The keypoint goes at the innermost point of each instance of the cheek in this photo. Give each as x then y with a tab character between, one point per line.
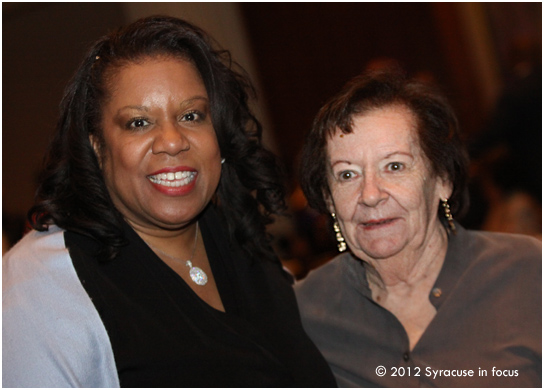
213	150
425	201
209	148
344	200
207	153
122	160
114	162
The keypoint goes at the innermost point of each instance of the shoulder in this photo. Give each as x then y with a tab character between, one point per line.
508	264
321	274
510	250
52	335
330	299
321	283
506	239
36	269
31	254
38	261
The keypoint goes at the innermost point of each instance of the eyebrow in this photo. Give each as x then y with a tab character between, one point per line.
340	162
408	154
183	104
138	108
192	100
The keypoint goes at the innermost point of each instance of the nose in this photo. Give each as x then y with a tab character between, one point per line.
372	191
170	138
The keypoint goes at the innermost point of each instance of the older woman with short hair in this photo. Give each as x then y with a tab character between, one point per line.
417	300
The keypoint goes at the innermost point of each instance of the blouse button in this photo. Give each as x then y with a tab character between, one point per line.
437	292
406	356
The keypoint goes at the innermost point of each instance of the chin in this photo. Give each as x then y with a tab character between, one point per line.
381	249
178	214
170	221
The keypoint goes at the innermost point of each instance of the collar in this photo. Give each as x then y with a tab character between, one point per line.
456	261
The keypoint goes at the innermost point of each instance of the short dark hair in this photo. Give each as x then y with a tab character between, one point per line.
72	193
437	130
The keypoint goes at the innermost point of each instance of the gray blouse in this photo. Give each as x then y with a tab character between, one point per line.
487	331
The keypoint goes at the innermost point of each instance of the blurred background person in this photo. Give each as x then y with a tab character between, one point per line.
415	291
149	264
507	155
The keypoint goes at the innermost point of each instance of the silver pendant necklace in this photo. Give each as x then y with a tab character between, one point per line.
197	274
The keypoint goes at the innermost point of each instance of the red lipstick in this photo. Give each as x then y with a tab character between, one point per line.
174	181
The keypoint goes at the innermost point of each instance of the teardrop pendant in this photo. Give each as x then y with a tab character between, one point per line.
197	275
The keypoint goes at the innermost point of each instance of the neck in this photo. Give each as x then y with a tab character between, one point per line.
173	243
411	267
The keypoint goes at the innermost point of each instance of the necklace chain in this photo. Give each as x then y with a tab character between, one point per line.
197	275
176	258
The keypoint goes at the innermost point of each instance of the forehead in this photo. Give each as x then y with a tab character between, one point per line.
378	129
159	73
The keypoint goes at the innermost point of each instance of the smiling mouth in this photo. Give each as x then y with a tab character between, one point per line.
173	179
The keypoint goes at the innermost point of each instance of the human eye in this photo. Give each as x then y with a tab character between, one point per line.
193	116
137	123
346	175
395	166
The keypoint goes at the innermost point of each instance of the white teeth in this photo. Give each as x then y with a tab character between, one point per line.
173	179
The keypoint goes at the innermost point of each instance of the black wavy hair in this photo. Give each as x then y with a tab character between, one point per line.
72	193
437	128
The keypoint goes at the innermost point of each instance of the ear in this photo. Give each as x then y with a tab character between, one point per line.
329	202
96	147
444	187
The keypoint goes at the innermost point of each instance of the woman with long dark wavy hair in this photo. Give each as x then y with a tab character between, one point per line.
149	264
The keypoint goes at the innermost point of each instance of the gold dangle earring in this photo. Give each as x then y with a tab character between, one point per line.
341	241
447	214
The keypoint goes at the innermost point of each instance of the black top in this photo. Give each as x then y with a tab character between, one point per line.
164	335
